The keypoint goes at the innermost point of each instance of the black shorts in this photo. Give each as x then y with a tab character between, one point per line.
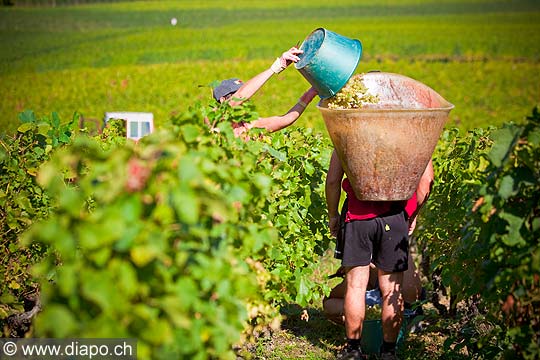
383	240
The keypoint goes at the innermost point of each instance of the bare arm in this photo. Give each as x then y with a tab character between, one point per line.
424	186
333	192
423	191
250	87
275	123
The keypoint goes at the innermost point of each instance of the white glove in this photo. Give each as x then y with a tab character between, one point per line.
279	65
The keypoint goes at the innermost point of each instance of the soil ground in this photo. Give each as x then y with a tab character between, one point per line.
318	338
315	337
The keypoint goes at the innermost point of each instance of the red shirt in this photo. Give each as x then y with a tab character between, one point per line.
363	210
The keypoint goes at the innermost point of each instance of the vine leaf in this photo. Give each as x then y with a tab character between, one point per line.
513	227
503	140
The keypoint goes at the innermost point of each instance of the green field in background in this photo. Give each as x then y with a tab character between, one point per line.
483	56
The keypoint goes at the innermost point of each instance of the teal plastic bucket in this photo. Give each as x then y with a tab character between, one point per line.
328	61
372	336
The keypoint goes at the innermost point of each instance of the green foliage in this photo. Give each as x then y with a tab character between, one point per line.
114	133
486	241
23	201
505	226
183	239
459	163
152	258
295	205
150	219
297	208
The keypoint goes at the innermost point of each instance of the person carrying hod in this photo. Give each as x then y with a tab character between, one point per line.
374	232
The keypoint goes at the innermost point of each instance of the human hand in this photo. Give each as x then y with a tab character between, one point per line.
241	129
291	55
287	58
333	224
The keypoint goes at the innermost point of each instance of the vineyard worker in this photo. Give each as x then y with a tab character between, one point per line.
235	92
374	232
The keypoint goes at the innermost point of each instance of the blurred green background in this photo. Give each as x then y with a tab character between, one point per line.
94	57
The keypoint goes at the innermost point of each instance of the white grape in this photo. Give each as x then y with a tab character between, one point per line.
353	95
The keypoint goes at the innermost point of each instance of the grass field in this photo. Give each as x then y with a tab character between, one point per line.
483	56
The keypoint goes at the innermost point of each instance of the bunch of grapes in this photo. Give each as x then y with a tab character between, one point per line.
352	96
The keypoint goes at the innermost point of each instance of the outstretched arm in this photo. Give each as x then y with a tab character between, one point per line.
275	123
250	87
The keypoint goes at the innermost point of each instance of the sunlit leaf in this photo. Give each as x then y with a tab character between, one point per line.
190	133
503	141
27	116
513	237
506	188
25	127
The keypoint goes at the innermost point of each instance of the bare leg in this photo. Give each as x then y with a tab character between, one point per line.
411	285
392	304
355	300
333	304
333	310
